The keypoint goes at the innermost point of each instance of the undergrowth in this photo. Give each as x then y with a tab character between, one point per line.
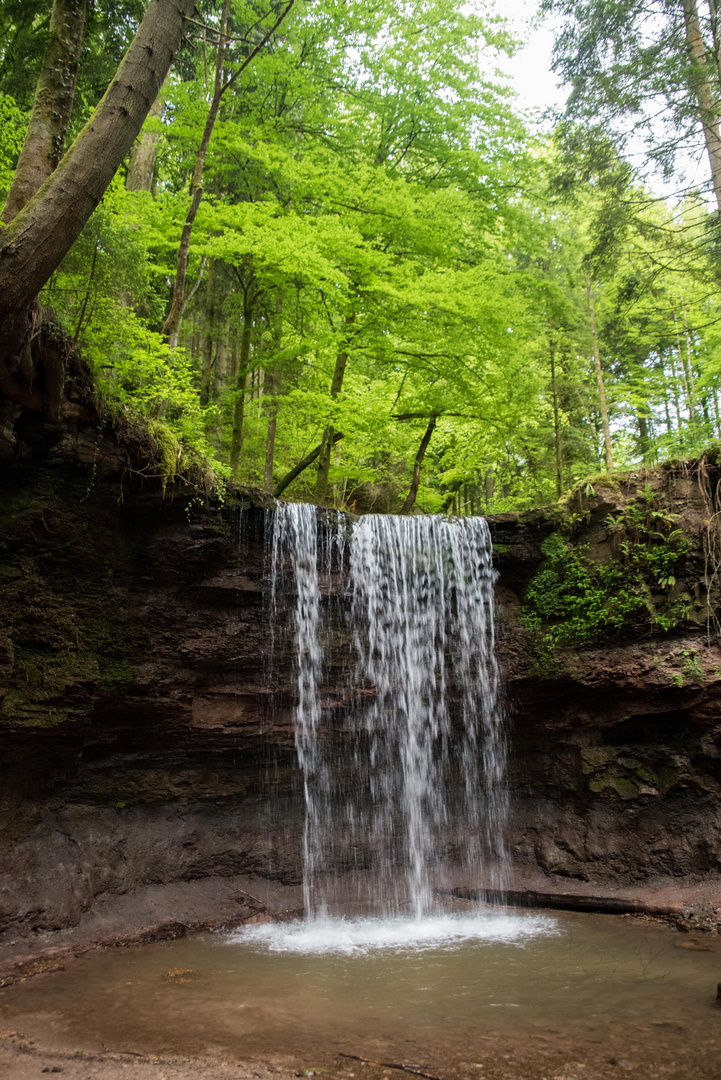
574	600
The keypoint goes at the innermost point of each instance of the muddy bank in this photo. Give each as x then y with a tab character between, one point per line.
149	914
24	1058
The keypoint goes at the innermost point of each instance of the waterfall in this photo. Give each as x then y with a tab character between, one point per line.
404	778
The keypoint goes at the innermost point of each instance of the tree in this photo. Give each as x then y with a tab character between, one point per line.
45	139
38	238
647	67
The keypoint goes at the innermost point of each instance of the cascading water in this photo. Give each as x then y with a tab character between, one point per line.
406	779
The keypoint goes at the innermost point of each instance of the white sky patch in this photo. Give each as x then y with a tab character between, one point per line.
530	72
540	91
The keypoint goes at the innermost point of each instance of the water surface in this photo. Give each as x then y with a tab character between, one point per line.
451	993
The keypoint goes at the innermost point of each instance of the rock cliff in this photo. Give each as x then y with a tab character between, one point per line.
145	740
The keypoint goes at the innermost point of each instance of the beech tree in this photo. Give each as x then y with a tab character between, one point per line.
386	303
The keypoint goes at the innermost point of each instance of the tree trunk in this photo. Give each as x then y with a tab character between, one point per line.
45	139
489	484
689	358
703	92
556	423
273	408
175	336
145	150
689	396
175	314
643	434
713	17
236	444
37	240
303	465
207	366
221	362
676	403
196	187
599	377
321	484
416	481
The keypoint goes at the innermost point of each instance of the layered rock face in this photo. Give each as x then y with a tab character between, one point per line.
147	739
616	746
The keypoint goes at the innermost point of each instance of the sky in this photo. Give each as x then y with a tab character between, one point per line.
538	89
530	69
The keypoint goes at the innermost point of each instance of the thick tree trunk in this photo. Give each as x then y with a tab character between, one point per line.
45	139
37	240
145	150
206	370
599	377
704	94
416	481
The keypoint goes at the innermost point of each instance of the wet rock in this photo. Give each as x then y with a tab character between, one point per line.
144	742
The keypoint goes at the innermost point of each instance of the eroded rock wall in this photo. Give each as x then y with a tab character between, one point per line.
146	739
616	745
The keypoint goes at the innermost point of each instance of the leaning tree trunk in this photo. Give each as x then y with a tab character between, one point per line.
302	466
45	138
416	481
37	240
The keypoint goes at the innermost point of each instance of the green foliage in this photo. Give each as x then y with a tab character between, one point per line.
574	600
12	132
412	225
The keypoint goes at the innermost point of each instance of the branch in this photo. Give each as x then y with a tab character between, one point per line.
392	1065
259	46
303	465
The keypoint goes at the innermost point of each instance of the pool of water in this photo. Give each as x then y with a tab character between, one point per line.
454	993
